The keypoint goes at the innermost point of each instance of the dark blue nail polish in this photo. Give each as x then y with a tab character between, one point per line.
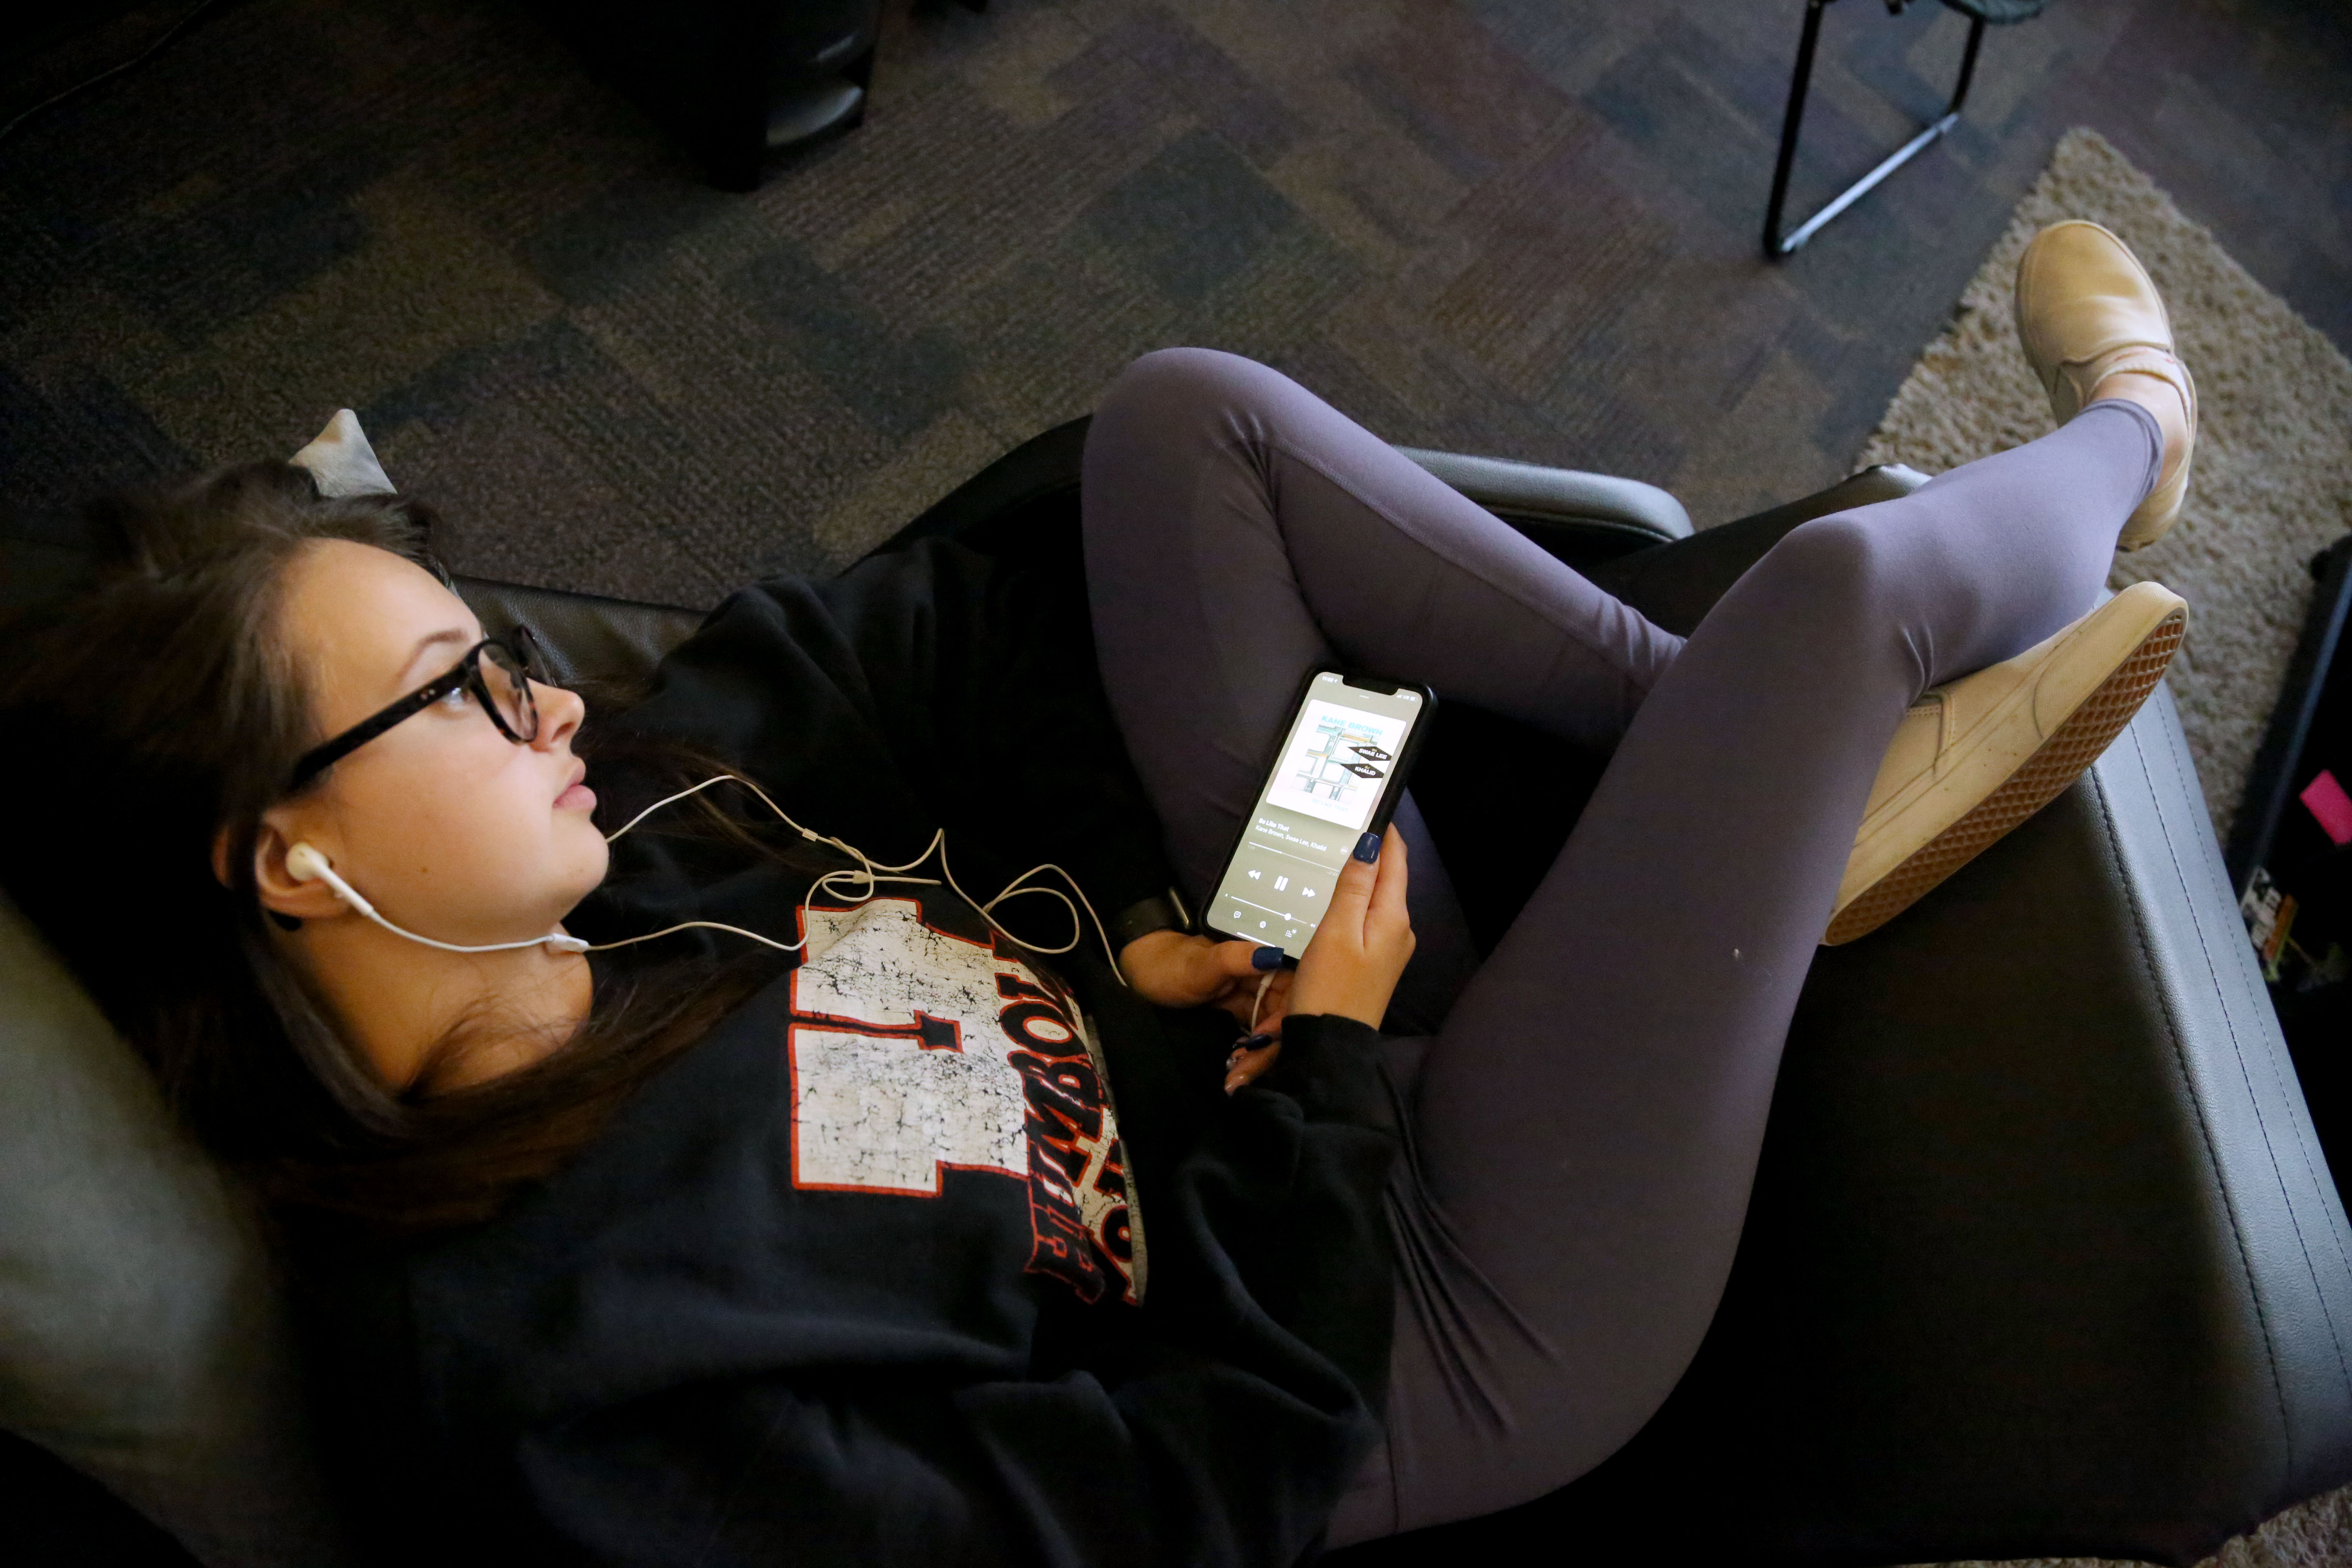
1368	847
1252	1043
1266	958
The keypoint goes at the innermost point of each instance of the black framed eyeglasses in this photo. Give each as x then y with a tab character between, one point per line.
497	671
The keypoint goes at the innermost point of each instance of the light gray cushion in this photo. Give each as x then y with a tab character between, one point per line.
141	1337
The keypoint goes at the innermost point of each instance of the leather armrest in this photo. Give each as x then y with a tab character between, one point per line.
1577	516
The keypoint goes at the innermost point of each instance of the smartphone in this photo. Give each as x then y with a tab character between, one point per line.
1337	775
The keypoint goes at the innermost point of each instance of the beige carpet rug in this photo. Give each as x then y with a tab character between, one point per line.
2272	485
2272	482
2318	1534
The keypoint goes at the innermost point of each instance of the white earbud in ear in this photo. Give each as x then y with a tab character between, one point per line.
305	864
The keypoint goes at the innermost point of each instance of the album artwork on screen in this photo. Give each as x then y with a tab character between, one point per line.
1339	763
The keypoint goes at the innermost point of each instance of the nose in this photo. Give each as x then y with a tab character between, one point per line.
561	714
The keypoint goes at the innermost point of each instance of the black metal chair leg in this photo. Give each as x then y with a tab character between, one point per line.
1792	121
1967	65
1775	245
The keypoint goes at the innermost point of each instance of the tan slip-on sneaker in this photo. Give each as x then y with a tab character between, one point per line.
1973	759
2086	309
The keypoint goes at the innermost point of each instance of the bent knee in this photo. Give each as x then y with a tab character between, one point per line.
1847	569
1168	388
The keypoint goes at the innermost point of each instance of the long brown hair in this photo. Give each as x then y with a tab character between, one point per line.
158	707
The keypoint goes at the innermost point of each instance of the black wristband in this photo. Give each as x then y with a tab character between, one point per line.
1161	911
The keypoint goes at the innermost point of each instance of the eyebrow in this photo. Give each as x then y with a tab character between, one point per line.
446	634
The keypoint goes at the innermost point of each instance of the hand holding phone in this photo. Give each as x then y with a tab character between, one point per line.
1351	967
1337	772
1360	950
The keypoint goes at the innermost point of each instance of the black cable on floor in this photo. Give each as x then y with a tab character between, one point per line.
141	58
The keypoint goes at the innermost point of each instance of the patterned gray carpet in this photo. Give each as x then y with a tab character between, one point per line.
1517	227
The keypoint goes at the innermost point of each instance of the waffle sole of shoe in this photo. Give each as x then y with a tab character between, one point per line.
2058	762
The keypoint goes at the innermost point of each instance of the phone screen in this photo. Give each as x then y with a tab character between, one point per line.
1329	781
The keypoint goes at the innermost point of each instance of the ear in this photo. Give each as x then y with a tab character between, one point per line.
279	892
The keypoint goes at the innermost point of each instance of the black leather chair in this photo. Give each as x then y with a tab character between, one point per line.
2043	1257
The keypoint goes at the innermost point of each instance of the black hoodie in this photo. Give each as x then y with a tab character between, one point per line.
879	1273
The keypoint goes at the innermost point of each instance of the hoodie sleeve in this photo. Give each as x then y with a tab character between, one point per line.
1219	1424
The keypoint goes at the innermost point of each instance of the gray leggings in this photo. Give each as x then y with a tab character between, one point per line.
1587	1114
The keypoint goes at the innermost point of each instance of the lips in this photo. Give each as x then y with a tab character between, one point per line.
576	796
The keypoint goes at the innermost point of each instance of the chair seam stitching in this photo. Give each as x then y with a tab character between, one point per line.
2186	775
2187	1081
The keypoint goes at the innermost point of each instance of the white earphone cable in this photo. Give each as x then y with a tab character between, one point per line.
866	878
306	864
853	886
1258	1000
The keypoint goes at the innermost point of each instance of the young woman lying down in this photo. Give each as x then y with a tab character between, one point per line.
747	1187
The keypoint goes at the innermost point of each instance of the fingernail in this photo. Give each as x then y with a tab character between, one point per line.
1266	958
1233	1082
1368	847
1253	1042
